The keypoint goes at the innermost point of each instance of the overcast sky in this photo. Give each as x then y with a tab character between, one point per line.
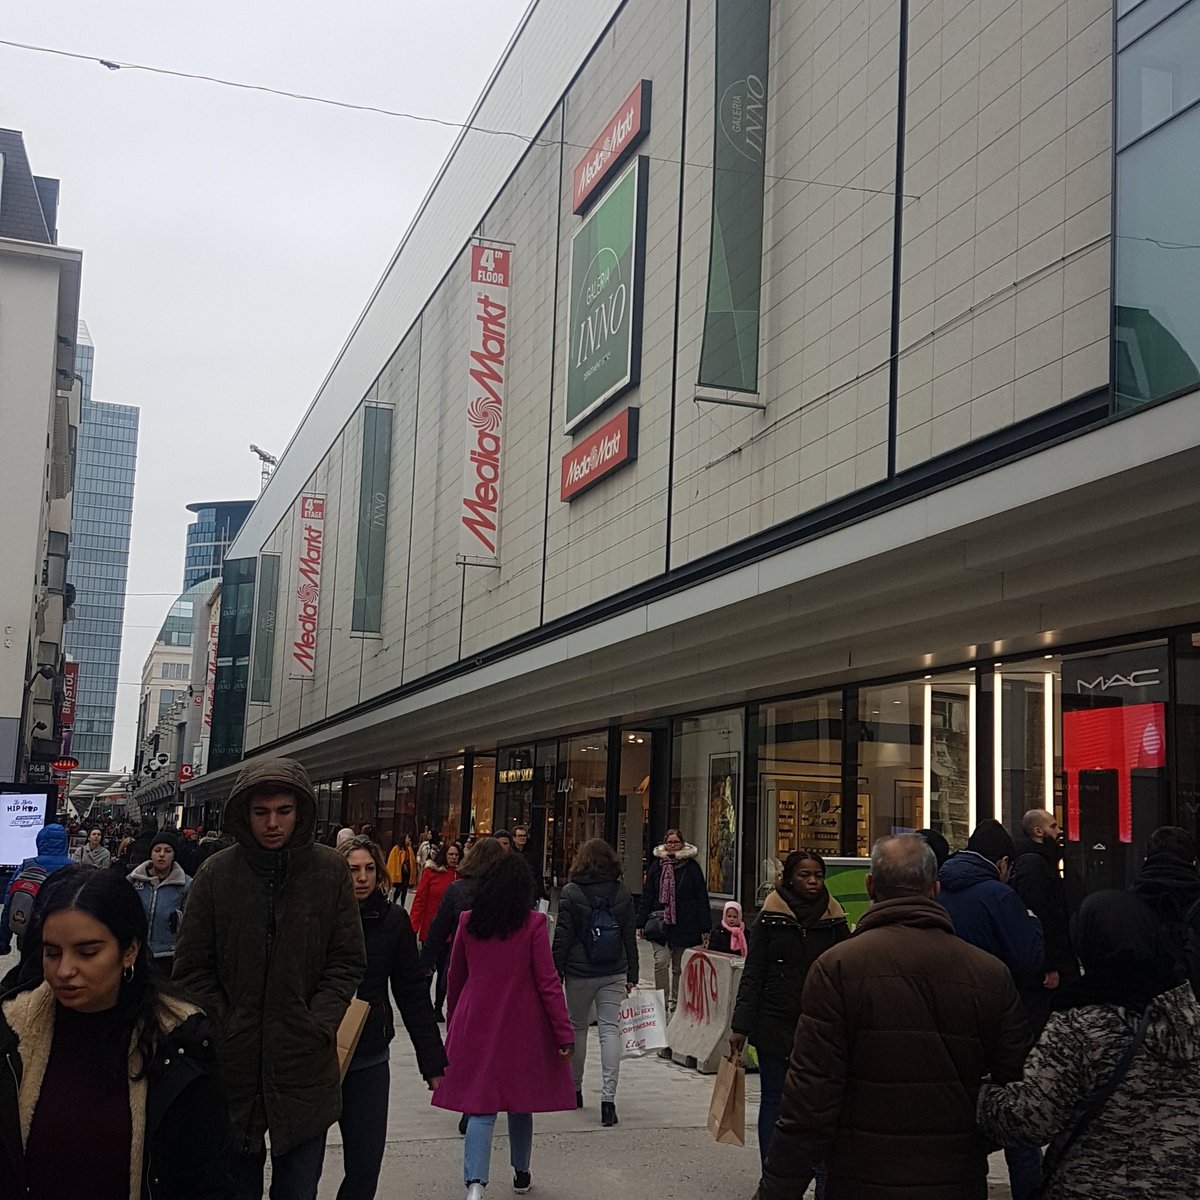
230	238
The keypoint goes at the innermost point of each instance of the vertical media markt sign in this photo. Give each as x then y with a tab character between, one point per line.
605	306
310	553
611	151
487	377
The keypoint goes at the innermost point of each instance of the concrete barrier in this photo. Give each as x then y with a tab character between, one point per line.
708	988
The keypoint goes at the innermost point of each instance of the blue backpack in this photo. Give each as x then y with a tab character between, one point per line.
602	937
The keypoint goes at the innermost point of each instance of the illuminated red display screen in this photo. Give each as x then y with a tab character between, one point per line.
1112	739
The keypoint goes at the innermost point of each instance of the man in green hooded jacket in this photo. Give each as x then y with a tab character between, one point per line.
271	946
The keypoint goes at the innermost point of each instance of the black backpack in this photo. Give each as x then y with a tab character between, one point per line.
602	943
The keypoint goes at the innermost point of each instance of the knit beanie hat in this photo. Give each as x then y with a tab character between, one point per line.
166	837
992	841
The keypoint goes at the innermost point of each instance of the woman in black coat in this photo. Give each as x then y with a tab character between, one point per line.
391	960
676	908
798	922
110	1083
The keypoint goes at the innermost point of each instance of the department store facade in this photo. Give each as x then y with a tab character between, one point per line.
623	509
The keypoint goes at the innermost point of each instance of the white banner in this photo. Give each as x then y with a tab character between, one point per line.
310	553
487	374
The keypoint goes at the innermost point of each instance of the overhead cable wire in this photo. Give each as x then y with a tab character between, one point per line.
465	126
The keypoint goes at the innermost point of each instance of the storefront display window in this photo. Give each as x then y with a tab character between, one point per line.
706	792
633	804
799	780
1027	724
431	811
451	796
385	810
483	793
585	760
362	795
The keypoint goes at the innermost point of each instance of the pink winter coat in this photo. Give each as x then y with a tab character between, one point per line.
507	1021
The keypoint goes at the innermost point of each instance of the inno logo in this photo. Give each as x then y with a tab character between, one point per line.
1135	679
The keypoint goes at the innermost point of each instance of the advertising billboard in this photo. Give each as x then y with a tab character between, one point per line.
310	554
605	306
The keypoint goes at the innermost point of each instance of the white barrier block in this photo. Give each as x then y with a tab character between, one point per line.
708	988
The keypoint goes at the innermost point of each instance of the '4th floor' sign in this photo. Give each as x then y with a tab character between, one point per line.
605	314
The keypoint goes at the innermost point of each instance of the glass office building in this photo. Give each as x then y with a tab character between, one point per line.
102	514
209	536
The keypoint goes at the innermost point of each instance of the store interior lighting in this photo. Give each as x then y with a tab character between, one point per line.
927	760
997	742
972	763
1048	735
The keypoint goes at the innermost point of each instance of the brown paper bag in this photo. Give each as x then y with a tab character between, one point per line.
727	1112
349	1031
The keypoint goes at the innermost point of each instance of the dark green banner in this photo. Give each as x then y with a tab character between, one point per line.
265	620
374	496
729	353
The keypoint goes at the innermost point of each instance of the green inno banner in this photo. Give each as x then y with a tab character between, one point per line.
729	353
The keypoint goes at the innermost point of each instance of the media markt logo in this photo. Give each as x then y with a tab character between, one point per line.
601	454
743	117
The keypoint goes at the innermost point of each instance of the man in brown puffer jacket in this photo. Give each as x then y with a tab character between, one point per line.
900	1024
271	945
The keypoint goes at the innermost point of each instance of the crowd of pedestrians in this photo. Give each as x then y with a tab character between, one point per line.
209	978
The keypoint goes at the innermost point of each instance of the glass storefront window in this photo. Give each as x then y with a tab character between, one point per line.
799	780
483	793
584	790
706	792
405	820
362	795
431	814
451	797
1027	723
633	805
385	810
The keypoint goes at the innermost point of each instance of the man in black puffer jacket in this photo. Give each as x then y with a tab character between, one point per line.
1170	884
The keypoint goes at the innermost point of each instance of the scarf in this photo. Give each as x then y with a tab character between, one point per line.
807	912
1123	958
666	889
737	933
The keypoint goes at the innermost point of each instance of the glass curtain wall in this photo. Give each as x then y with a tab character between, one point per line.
1157	312
582	789
706	792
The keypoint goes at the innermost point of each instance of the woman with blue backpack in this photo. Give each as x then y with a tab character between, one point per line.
595	951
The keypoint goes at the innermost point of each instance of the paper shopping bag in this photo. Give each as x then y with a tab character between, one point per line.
643	1023
349	1031
727	1112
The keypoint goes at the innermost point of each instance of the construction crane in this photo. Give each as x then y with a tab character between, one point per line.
268	461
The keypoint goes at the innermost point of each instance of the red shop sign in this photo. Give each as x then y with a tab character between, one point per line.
612	446
612	149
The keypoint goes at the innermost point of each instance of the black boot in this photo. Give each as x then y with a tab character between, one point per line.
608	1112
578	1099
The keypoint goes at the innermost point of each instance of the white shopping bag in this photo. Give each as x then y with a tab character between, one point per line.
643	1024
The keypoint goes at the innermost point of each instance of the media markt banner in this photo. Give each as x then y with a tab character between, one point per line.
487	377
310	553
729	353
605	313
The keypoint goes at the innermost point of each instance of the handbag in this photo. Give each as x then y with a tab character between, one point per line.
656	927
727	1110
1094	1106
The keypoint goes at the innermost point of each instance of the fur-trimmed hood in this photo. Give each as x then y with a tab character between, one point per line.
776	905
141	875
688	851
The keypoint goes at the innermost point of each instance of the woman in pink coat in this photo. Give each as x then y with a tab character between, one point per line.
509	1040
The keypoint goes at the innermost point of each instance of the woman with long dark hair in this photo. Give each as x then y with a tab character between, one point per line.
595	950
106	1061
391	960
798	922
510	1037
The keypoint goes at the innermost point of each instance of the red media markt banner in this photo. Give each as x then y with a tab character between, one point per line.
487	376
612	446
309	557
622	133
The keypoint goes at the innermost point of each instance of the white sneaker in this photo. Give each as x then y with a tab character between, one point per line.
475	1191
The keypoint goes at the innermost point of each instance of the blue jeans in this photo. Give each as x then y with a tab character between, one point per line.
477	1150
1024	1171
772	1071
294	1175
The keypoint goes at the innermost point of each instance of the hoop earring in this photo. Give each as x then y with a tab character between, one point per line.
127	974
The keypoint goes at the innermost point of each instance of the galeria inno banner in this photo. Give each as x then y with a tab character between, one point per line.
729	353
487	375
310	553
